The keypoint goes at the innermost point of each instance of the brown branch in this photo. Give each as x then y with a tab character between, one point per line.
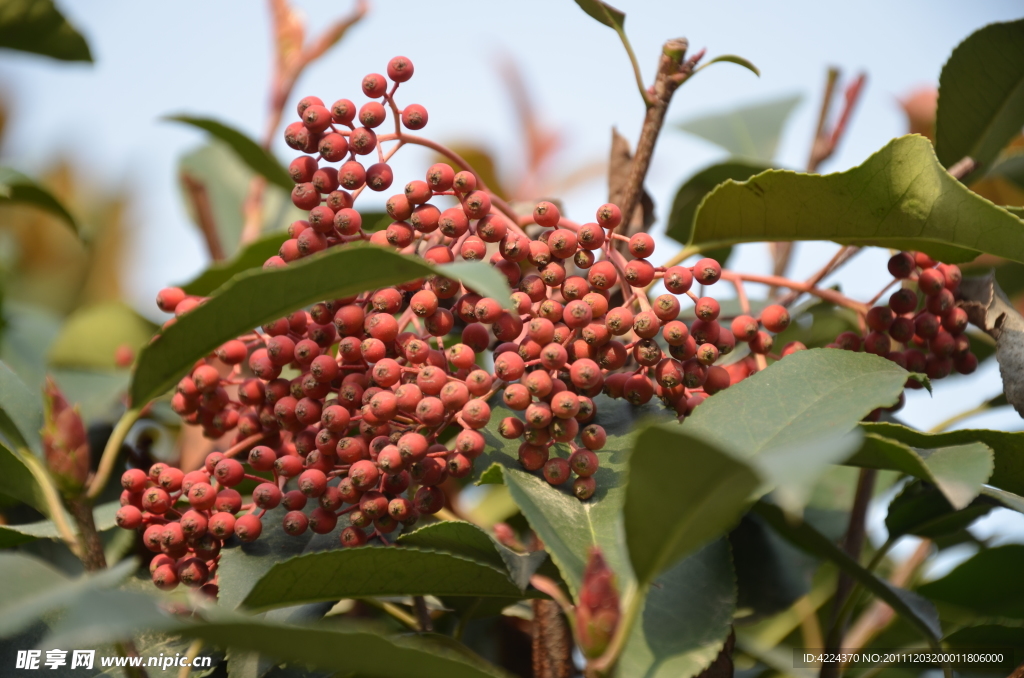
203	210
853	542
552	644
423	619
962	168
672	72
92	546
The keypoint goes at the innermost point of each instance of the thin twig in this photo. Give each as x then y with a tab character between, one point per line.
200	199
426	624
672	72
844	254
853	542
110	452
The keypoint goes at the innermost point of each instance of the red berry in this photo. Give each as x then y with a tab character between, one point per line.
248	528
414	117
400	69
775	318
374	85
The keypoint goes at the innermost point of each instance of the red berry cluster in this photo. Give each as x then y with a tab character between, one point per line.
376	380
930	326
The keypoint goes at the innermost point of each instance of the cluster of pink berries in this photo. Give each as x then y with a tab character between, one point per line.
376	380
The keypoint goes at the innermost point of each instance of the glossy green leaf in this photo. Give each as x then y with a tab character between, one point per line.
912	607
251	256
988	583
242	565
376	571
1007	448
468	540
981	95
751	132
1012	501
738	60
686	618
567	526
794	469
811	395
771	573
252	154
690	194
258	296
697	491
900	198
16	188
37	26
923	511
603	12
41	589
352	649
91	336
1011	168
958	470
12	535
16	480
21	411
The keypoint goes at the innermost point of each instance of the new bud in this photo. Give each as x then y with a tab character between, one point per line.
65	443
597	614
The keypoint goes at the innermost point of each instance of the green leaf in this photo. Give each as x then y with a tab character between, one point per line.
28	332
376	571
981	95
468	540
252	256
351	649
989	583
567	526
958	471
793	470
1012	501
41	589
751	131
603	12
16	188
1007	448
16	480
242	565
227	180
923	511
696	490
1011	168
811	395
690	194
255	297
21	412
37	26
900	198
985	634
771	573
252	154
13	535
738	60
687	618
91	336
913	608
